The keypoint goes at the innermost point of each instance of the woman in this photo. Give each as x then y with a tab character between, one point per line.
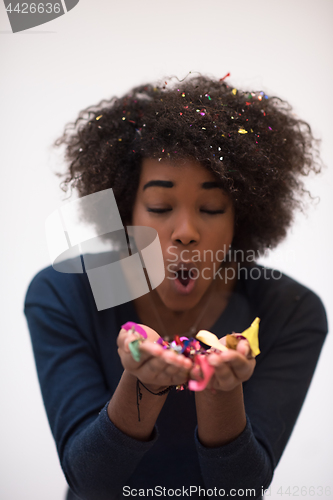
216	172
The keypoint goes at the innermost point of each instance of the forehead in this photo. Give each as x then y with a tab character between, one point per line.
185	170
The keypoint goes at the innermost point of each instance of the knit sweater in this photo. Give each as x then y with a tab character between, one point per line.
79	369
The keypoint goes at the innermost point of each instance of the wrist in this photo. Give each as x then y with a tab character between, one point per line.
157	390
214	393
132	379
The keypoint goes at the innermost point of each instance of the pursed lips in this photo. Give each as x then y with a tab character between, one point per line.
184	265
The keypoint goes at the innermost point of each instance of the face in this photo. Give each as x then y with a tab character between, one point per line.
194	219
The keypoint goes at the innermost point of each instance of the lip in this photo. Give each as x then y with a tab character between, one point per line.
178	287
182	290
185	265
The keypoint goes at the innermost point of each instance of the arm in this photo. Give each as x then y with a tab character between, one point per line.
96	457
157	369
100	444
273	397
220	407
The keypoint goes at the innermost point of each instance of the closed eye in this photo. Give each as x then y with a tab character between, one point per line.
213	212
159	210
164	210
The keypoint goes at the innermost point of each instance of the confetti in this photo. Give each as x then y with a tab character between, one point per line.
207	371
98	117
251	334
134	348
210	339
130	325
242	131
226	76
234	91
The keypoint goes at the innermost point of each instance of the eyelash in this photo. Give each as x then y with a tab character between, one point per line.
164	210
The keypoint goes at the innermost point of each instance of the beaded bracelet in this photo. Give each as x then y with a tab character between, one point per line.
139	394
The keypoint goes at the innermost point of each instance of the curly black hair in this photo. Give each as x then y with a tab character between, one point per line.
253	143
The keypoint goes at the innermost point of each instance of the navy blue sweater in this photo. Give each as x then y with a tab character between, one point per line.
79	369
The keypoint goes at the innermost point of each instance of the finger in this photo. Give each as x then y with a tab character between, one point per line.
224	378
151	348
152	335
159	370
176	359
175	374
169	364
244	348
241	367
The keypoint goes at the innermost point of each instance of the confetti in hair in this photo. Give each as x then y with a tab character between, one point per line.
225	76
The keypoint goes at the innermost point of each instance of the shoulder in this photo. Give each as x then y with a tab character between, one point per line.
56	290
280	300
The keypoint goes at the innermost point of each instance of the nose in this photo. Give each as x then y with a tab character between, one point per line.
185	230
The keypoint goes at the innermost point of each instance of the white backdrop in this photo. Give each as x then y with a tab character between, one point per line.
105	47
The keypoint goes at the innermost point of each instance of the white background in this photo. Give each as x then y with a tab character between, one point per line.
102	48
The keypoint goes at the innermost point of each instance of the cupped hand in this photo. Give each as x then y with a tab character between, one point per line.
158	368
232	367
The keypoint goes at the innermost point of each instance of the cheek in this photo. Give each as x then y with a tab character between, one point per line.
225	231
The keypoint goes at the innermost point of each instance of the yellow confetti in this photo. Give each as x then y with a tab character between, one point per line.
99	117
251	334
210	339
183	94
120	140
234	91
242	131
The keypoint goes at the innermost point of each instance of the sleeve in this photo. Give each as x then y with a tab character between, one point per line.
96	457
273	399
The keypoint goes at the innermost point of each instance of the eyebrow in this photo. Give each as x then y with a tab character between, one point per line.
170	184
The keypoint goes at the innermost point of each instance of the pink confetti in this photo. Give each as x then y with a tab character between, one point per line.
130	324
207	371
